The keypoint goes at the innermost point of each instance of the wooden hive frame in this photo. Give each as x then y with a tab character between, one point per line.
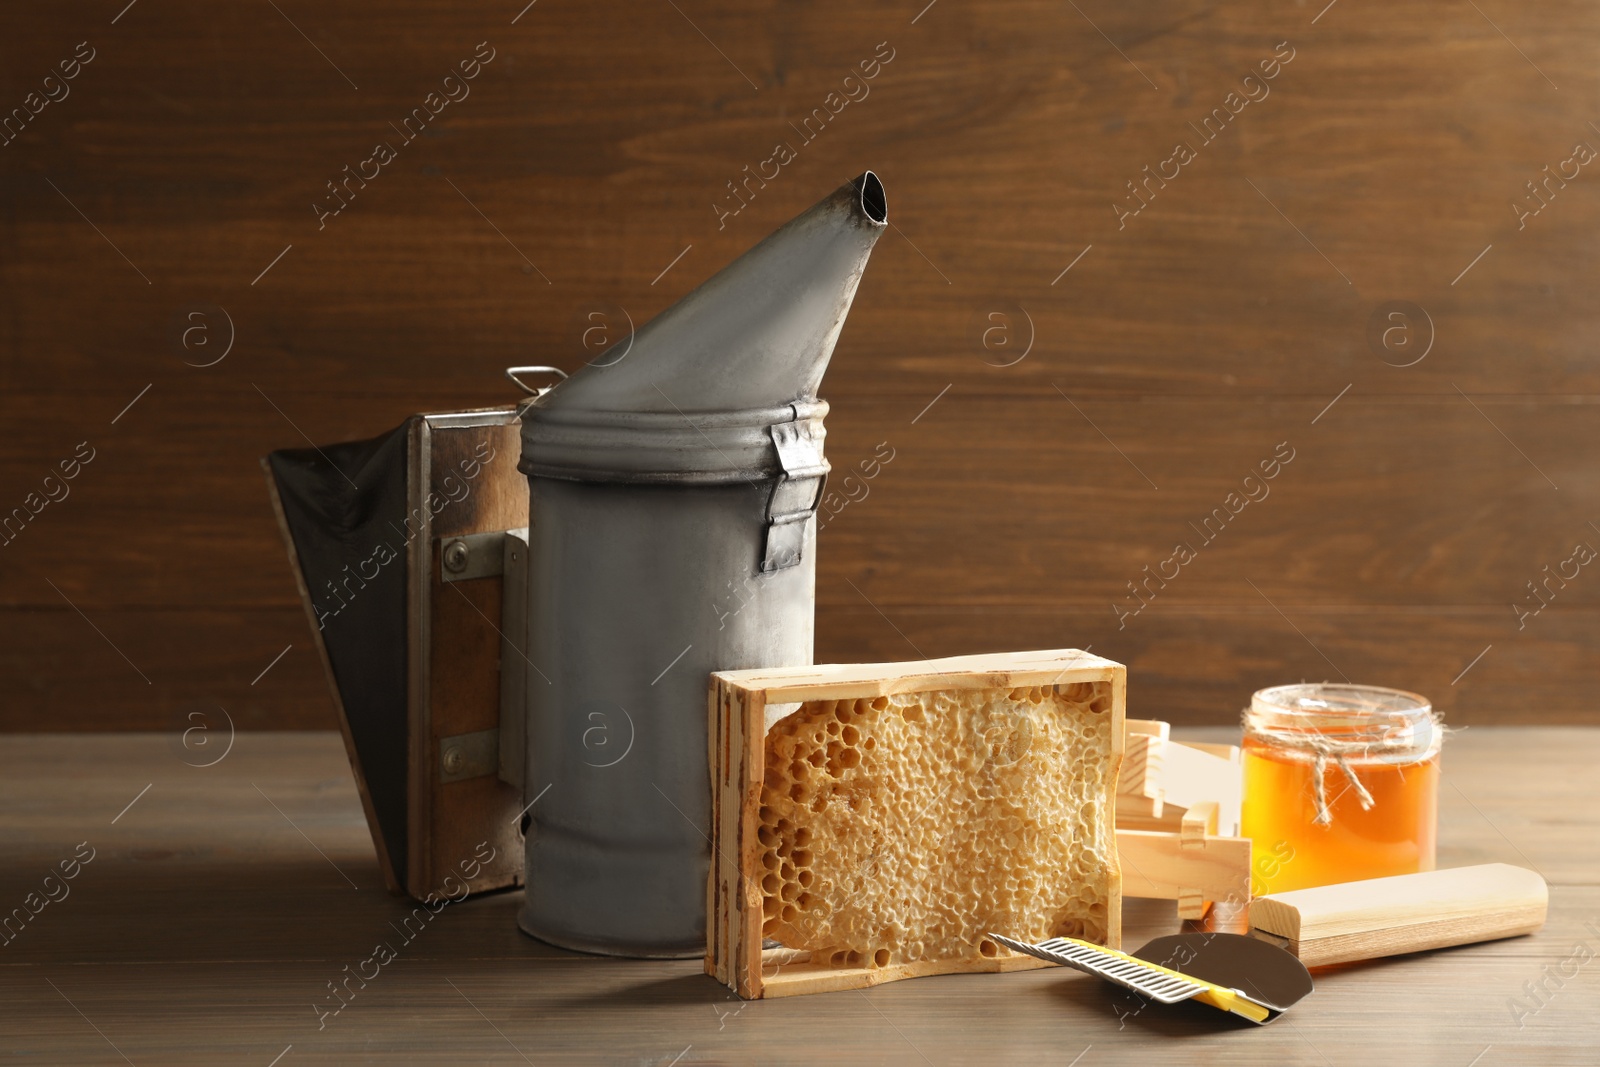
1169	785
739	703
1178	808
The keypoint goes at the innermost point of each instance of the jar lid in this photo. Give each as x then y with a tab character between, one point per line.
1339	699
1343	720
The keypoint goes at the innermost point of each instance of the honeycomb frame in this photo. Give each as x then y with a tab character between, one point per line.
798	703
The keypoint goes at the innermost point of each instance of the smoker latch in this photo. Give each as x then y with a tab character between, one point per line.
515	666
796	493
474	755
479	555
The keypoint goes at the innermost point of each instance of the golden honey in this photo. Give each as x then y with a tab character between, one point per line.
1341	783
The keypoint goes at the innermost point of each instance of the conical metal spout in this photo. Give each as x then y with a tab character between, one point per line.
758	334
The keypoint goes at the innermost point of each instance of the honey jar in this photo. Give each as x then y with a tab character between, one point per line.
1341	782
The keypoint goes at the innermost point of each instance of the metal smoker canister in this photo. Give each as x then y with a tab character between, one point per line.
672	484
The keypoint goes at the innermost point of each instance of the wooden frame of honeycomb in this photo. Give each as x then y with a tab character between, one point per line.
876	820
1173	798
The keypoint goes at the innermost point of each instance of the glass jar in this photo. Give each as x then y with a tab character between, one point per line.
1341	783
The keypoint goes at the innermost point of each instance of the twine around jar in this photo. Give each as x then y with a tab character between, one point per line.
1398	734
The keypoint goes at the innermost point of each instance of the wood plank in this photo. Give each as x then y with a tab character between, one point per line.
469	460
76	681
1465	521
1195	335
1406	913
1166	867
1140	778
649	151
1199	821
1201	664
206	928
1177	787
856	681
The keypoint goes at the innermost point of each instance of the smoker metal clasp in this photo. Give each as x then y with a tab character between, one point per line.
501	554
796	493
478	555
474	755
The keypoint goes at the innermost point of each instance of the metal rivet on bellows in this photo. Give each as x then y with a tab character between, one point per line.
455	556
454	761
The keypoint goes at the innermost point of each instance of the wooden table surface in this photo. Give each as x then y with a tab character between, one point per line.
219	906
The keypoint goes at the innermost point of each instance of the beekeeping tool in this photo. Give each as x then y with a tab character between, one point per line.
1402	913
660	479
541	689
1215	967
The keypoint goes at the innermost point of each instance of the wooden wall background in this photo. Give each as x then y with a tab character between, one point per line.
1173	357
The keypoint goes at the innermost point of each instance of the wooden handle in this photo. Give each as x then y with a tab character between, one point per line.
1405	913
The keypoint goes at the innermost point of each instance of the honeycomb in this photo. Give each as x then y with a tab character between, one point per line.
904	828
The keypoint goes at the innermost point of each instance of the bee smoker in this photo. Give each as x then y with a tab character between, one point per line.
672	487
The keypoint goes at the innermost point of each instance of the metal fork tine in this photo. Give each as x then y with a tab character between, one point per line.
1164	988
1147	979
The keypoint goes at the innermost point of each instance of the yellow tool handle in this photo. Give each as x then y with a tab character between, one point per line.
1231	1000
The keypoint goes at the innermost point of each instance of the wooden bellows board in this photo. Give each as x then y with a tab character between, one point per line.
876	820
413	642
